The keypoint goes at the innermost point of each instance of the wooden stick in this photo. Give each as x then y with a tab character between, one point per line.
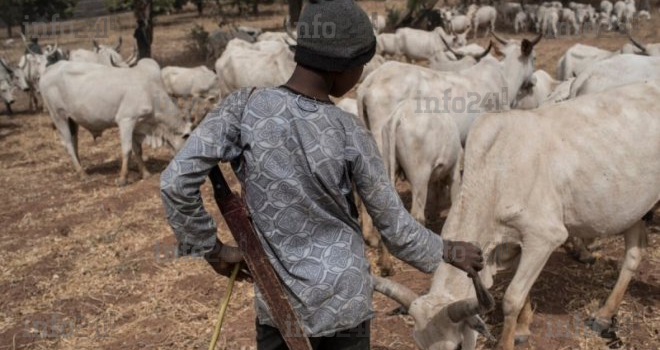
223	307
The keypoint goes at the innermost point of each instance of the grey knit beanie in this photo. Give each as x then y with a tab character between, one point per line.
334	35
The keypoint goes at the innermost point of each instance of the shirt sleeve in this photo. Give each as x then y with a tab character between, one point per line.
406	238
216	138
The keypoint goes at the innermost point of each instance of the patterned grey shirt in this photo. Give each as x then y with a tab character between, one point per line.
297	160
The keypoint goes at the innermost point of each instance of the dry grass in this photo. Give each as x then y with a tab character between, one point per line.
87	249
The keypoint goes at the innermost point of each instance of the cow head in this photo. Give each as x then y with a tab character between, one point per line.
442	324
6	91
518	62
110	55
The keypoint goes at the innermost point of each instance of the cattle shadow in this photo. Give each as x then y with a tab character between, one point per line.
111	168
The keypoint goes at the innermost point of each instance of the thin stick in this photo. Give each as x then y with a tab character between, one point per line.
223	307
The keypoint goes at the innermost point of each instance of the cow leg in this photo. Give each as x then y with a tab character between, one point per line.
126	127
635	238
137	151
368	232
73	129
384	260
9	111
420	185
62	125
537	245
524	320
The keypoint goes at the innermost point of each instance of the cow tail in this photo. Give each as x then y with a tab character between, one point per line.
389	144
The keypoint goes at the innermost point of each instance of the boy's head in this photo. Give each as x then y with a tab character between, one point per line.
337	37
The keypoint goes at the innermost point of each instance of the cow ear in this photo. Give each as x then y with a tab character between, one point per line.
526	47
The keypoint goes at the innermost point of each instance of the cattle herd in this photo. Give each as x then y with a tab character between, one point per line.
521	159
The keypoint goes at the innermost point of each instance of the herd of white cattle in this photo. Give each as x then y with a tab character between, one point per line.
523	161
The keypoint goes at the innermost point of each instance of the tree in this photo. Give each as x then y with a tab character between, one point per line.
144	33
295	6
13	12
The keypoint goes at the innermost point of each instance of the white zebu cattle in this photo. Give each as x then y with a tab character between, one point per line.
105	55
348	105
549	22
33	66
190	82
627	17
371	66
10	79
198	86
520	22
265	63
418	44
532	179
489	82
534	93
567	20
578	58
379	23
616	71
606	7
460	24
485	16
98	97
509	10
386	45
619	7
441	62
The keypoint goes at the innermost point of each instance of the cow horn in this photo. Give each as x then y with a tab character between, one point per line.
460	310
112	61
287	28
536	41
27	46
490	46
133	58
118	45
636	43
458	55
394	290
500	39
96	44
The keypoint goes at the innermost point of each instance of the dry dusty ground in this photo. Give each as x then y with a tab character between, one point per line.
96	255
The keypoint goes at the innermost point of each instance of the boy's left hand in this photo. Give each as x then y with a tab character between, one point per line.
223	258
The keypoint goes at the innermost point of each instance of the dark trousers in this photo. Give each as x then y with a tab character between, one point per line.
270	338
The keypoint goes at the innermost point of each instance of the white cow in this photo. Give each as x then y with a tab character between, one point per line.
379	23
371	66
348	105
536	91
425	146
549	22
418	44
485	86
11	78
520	22
33	66
197	85
98	97
606	7
441	62
531	180
568	20
265	63
485	16
386	45
615	71
619	7
105	55
460	24
578	58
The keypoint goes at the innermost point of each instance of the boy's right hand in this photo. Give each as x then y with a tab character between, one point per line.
223	258
463	255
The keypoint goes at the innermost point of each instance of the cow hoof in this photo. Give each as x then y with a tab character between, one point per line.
121	183
586	258
521	339
386	272
599	324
